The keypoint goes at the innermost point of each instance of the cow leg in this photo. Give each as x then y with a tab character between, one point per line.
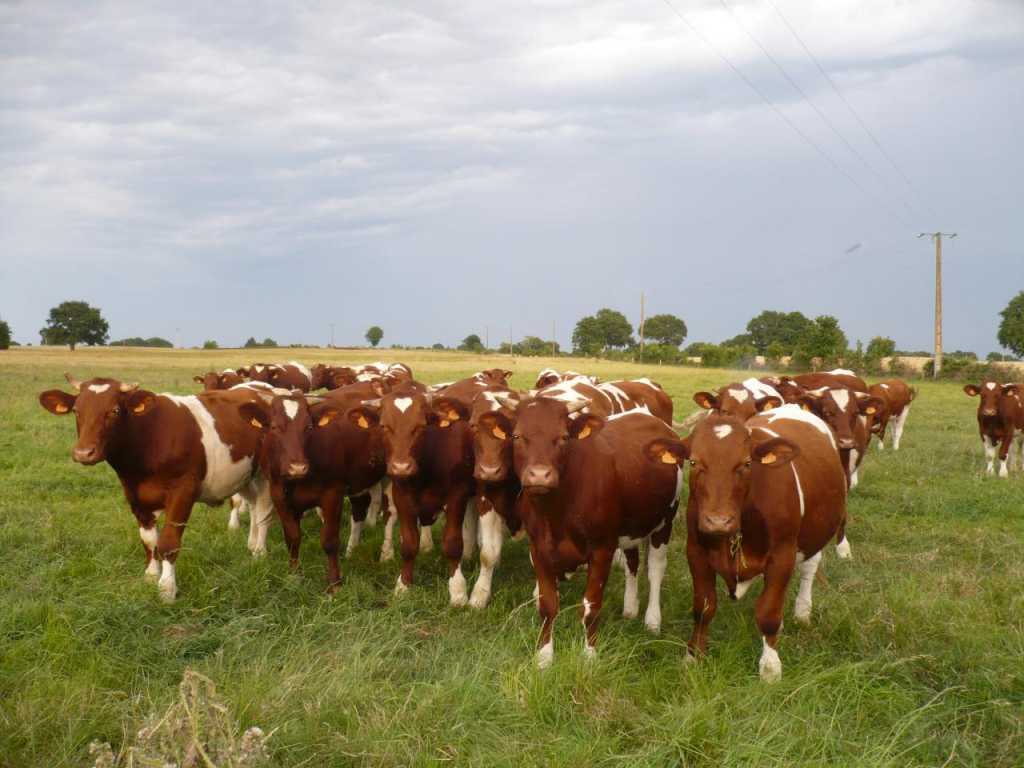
454	517
289	523
854	455
1004	450
360	513
409	536
630	567
426	535
768	612
547	607
491	537
802	609
593	596
705	598
842	543
387	547
376	503
235	520
178	509
260	515
330	541
657	564
990	454
470	529
897	428
149	535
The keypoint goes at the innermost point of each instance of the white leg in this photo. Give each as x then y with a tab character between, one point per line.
770	665
167	585
589	651
546	654
630	599
843	549
426	539
260	518
354	534
743	586
990	454
897	430
400	586
657	563
234	521
853	469
536	593
149	538
802	609
457	588
491	535
470	530
376	502
1003	471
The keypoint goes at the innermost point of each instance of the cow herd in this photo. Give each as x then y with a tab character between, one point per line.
589	471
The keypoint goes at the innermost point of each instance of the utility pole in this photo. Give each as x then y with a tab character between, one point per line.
332	335
487	337
510	352
553	353
641	326
937	237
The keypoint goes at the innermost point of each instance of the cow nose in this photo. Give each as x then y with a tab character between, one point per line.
846	444
489	472
85	455
298	469
401	469
988	412
540	476
721	525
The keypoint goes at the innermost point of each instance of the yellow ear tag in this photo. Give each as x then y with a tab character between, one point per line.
60	408
498	432
363	423
325	420
445	422
668	458
139	408
705	403
768	458
871	409
585	432
453	415
255	422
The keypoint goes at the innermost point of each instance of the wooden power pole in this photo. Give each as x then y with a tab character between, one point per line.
937	237
641	326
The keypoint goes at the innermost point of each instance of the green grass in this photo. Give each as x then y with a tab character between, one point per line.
915	656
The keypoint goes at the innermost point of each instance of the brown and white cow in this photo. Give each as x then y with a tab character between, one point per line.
588	490
1000	417
740	399
766	495
849	414
550	376
639	393
226	379
839	377
290	375
169	452
897	397
429	460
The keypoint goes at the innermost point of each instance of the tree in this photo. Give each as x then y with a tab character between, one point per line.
268	342
5	335
210	344
787	328
740	340
250	343
824	339
472	343
138	341
438	345
879	347
1011	328
534	346
75	322
374	334
665	329
605	329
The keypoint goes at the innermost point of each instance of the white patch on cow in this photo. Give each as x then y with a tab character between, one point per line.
769	432
647	382
625	542
167	585
802	608
354	535
842	398
400	586
799	488
457	588
291	408
679	483
258	368
842	372
793	412
897	429
228	370
99	389
843	549
152	569
491	537
722	431
586	608
630	599
990	385
402	403
492	398
770	665
853	468
149	537
759	389
223	476
657	564
1003	472
643	410
302	369
619	397
742	587
739	395
589	651
546	655
884	386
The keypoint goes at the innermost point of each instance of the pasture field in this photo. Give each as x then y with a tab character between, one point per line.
915	655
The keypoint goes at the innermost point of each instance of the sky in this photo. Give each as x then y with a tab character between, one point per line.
439	168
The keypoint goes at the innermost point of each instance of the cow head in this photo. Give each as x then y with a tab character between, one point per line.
101	407
546	378
210	380
494	377
287	424
990	392
836	407
723	458
786	386
873	408
542	437
492	424
736	400
261	372
403	418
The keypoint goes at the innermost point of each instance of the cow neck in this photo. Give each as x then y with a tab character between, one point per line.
127	446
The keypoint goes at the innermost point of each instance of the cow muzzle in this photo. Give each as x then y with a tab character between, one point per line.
401	469
539	479
846	443
718	524
297	470
988	411
489	473
87	456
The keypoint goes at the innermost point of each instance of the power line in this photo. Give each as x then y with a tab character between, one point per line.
807	99
849	106
753	86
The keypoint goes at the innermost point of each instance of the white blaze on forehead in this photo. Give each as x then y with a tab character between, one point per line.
884	386
760	389
722	431
99	389
842	398
290	408
793	412
990	385
739	395
402	403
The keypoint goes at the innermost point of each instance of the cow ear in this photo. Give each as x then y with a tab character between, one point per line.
139	401
807	401
585	425
255	414
57	402
322	416
706	400
972	390
447	410
774	453
870	405
364	416
198	379
767	403
666	451
1011	389
495	424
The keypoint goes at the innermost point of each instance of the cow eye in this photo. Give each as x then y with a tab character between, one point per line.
115	410
693	462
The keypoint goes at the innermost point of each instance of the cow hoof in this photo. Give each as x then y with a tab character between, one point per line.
545	656
480	598
168	592
843	550
332	589
457	590
259	552
400	587
387	555
233	524
152	572
630	611
349	551
802	612
881	445
689	658
653	626
770	666
589	652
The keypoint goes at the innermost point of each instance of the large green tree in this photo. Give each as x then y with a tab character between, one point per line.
472	343
879	347
374	334
5	335
1011	328
665	329
786	328
603	330
75	322
823	339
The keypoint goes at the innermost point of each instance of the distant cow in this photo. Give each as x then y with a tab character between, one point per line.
1000	416
290	375
897	397
169	452
740	399
588	490
639	393
849	414
550	376
836	378
766	495
212	380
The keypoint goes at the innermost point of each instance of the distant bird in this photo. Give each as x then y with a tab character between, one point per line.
852	248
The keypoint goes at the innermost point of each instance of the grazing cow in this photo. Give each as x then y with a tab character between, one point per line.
587	490
226	379
429	459
766	495
1000	416
848	414
169	452
742	400
897	397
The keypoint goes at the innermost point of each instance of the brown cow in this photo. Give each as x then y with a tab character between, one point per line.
429	459
169	452
765	495
837	378
550	376
1000	416
226	379
639	393
897	397
290	375
848	414
740	399
588	490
